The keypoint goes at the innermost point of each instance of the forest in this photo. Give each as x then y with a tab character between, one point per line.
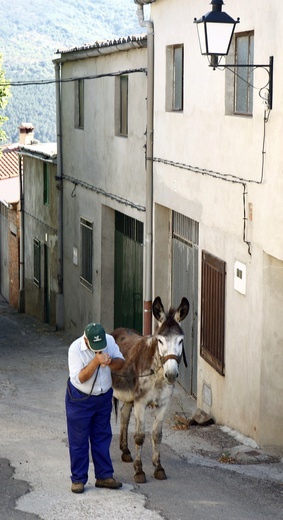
32	31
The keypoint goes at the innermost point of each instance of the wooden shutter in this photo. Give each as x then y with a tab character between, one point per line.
213	311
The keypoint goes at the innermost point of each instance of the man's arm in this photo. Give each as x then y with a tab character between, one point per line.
116	363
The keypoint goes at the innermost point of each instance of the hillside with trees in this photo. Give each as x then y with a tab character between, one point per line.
32	31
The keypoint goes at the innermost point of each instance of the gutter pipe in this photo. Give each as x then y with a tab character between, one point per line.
147	320
59	178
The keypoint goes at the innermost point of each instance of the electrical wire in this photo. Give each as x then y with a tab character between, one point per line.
112	196
69	80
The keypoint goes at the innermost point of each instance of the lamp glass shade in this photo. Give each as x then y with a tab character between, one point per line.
215	38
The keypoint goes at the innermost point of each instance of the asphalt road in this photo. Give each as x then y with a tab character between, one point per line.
34	459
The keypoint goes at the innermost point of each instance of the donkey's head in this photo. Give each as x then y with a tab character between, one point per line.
170	336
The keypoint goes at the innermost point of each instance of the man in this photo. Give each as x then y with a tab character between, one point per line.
88	406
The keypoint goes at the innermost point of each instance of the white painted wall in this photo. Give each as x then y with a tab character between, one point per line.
202	136
113	164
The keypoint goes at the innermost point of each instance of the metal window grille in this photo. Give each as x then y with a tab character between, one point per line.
86	253
36	262
213	311
185	228
129	227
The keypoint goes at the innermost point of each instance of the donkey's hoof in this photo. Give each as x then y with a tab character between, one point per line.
126	457
140	478
160	474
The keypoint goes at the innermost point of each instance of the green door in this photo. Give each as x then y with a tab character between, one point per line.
128	296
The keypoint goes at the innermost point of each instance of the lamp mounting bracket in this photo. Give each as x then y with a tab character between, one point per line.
268	67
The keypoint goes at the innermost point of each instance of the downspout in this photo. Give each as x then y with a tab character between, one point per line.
59	178
147	321
21	302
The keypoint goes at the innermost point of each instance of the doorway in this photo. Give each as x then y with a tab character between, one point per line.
185	240
128	291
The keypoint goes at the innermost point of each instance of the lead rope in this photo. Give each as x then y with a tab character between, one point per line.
86	397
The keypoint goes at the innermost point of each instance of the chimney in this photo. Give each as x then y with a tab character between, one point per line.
26	133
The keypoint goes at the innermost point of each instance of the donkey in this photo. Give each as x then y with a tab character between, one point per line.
148	379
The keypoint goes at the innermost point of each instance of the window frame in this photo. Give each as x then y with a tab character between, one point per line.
46	184
175	78
79	103
243	77
36	262
123	126
86	232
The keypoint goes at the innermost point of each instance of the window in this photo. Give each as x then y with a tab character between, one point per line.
175	78
46	183
36	262
79	103
243	90
124	105
86	253
178	78
121	106
213	311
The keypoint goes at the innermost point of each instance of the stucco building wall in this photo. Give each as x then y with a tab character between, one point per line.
110	170
40	223
207	142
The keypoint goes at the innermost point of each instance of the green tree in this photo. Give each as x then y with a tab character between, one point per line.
4	95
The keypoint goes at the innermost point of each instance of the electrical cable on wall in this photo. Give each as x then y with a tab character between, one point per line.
112	196
234	179
69	80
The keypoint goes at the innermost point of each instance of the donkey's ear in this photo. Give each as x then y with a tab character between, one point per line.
183	310
158	310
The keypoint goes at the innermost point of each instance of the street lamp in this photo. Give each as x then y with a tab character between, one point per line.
215	32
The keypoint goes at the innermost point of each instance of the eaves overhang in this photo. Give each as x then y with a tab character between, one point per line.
144	2
101	48
46	152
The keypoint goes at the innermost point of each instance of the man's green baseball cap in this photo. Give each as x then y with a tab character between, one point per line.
95	334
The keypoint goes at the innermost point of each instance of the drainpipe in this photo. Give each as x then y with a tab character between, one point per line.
59	178
147	322
21	301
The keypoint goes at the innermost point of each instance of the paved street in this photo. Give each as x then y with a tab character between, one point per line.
34	458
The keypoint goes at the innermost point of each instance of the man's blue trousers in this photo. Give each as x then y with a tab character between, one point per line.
88	422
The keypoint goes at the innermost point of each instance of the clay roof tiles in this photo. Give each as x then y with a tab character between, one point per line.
9	162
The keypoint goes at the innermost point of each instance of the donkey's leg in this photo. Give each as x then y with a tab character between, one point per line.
139	436
125	415
156	435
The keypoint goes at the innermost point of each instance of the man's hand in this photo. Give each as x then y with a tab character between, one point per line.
104	359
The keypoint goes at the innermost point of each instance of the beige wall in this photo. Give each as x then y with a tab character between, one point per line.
271	380
40	222
203	137
115	165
